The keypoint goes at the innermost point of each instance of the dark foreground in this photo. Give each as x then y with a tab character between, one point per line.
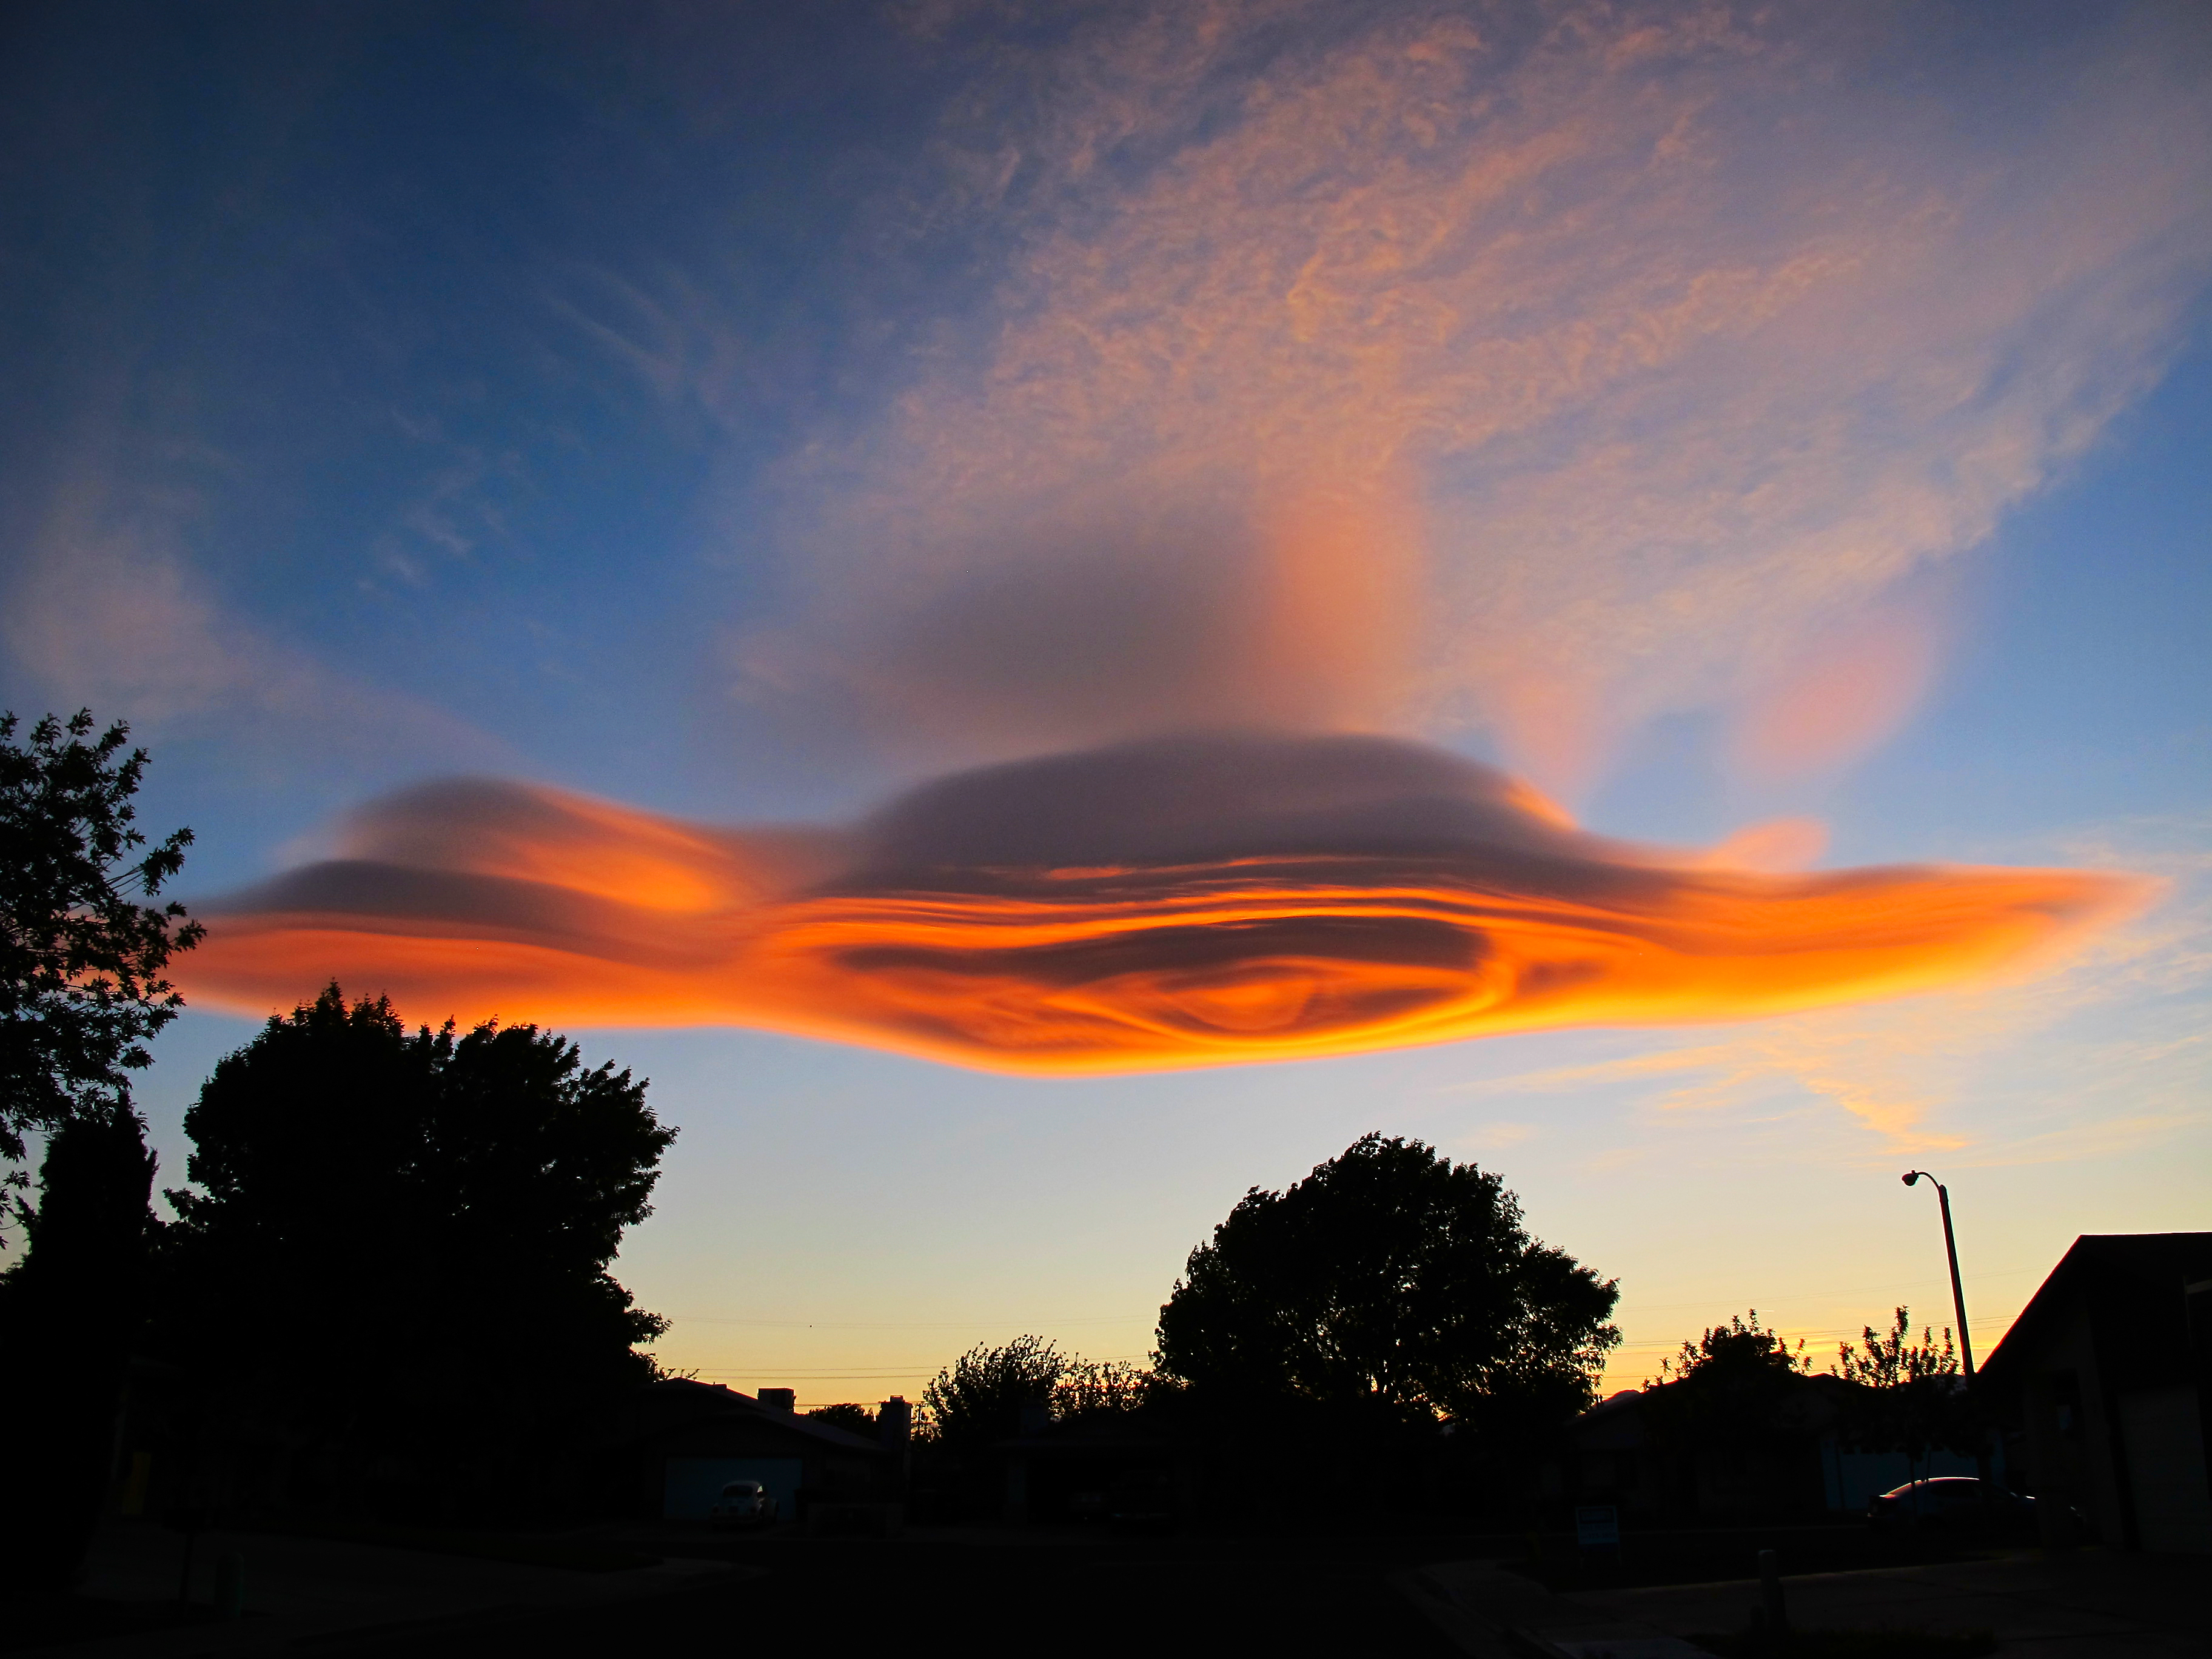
985	1595
1042	1594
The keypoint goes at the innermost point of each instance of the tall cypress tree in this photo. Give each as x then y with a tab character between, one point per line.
70	1309
83	956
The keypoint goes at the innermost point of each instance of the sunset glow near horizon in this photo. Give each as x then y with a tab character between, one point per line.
941	580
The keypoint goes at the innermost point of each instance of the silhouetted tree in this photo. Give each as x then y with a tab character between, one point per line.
1091	1386
403	1241
1913	1397
81	959
854	1419
979	1397
1895	1360
1390	1277
70	1309
1736	1392
1742	1347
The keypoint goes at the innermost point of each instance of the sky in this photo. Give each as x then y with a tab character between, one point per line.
1046	613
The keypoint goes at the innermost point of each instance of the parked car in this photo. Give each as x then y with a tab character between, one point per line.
1952	1502
743	1504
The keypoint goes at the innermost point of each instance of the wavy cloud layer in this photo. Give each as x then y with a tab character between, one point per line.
1190	902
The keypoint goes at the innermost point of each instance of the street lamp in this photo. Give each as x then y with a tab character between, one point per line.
1951	1247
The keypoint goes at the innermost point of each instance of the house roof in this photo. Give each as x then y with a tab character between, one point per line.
679	1402
1807	1401
2137	1276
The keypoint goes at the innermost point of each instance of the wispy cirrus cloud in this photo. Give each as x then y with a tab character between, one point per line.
1531	369
104	608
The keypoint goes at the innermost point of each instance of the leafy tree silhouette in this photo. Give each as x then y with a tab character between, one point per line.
979	1398
1100	1386
1393	1277
81	959
1914	1398
422	1224
1894	1360
1730	1393
854	1419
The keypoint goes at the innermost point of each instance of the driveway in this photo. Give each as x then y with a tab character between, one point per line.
318	1590
2083	1604
2077	1604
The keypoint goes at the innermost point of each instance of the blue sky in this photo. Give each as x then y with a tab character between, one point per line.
647	402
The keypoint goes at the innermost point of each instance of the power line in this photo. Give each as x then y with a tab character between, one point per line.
1122	1319
905	1324
882	1373
1854	1290
1622	1359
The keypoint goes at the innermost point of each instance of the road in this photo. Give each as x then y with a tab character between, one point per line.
1051	1598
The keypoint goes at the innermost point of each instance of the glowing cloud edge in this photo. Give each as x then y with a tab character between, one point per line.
1397	897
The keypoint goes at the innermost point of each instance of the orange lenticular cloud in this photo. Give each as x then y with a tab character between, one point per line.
1188	901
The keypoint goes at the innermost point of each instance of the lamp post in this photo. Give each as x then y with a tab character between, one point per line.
1951	1248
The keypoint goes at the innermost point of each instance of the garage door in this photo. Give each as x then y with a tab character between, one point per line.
2165	1443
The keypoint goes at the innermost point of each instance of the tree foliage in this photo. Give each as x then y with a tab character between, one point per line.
1733	1387
1914	1398
1893	1360
980	1396
424	1223
1393	1275
70	1307
85	1247
81	959
1091	1388
1741	1349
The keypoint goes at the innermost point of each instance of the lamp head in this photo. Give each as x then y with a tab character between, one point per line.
1912	1178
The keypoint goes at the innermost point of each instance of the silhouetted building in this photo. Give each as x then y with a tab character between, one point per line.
1799	1463
1101	1467
680	1442
2104	1382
